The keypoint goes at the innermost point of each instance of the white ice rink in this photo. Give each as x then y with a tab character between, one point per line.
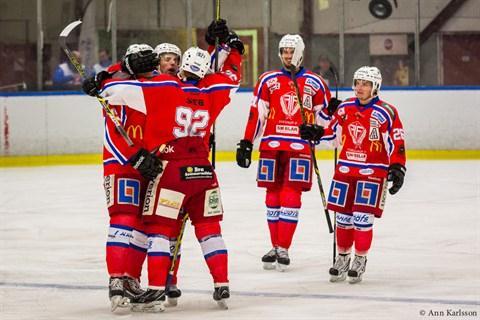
425	255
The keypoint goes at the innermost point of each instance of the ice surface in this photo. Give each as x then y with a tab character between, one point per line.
425	253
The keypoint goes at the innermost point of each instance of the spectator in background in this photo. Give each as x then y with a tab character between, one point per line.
66	76
104	61
400	77
324	69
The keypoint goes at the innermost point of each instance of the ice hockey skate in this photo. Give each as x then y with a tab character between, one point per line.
358	268
131	289
173	293
269	259
340	268
150	301
116	293
283	261
220	295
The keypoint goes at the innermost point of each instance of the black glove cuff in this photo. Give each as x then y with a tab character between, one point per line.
245	144
398	167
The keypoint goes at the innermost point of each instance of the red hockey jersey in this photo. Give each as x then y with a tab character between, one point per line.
372	137
275	113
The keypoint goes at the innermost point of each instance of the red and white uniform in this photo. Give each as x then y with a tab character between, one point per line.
285	166
372	138
178	120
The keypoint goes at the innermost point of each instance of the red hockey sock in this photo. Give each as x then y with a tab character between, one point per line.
214	251
119	233
272	200
158	255
363	241
137	251
344	239
290	200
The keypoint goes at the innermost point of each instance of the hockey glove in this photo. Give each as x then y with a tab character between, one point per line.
396	174
244	153
311	132
234	42
333	106
217	29
141	62
92	85
148	164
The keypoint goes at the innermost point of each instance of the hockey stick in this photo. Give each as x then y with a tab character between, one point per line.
312	149
62	39
175	254
213	143
335	154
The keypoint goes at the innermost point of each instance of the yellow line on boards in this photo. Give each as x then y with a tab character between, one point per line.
77	159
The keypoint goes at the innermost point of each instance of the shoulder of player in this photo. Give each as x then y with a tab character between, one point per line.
347	102
268	75
387	107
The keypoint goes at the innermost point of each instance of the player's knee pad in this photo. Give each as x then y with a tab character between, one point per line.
272	198
363	221
344	221
291	197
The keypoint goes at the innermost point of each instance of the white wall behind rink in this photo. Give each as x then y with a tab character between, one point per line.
68	124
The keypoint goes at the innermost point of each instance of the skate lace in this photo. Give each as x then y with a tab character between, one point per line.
116	284
272	252
358	263
340	262
134	284
282	253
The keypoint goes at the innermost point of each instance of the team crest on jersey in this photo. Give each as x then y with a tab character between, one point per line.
289	104
358	133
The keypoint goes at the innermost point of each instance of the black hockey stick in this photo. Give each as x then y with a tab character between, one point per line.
312	149
335	155
62	39
213	142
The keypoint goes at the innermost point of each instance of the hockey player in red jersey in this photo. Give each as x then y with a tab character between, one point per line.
285	167
186	107
169	56
124	187
373	152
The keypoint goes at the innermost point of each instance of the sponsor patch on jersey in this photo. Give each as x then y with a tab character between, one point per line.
338	193
307	102
356	156
374	123
366	193
308	90
196	172
280	128
297	146
150	196
344	169
266	170
274	144
213	203
312	83
374	134
273	84
299	170
108	186
378	116
128	191
366	172
169	203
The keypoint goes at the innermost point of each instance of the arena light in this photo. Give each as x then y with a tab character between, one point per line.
381	9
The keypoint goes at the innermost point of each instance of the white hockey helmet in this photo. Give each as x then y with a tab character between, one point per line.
371	74
196	61
294	41
136	48
168	48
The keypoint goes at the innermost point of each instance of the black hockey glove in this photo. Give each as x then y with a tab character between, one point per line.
333	105
396	174
234	42
92	85
217	29
244	153
311	132
141	62
148	164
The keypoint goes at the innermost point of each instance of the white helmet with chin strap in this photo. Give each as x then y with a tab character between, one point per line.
168	48
136	48
292	41
371	74
196	61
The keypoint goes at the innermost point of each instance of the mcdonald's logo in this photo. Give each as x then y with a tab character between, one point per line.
376	146
132	131
309	117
